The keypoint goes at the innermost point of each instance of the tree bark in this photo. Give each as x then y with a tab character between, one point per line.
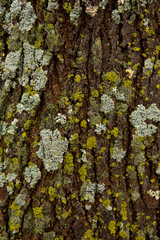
79	119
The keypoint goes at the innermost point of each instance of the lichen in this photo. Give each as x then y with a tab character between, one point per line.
139	116
32	175
100	127
75	13
21	16
148	66
51	150
107	104
116	16
17	210
28	102
91	142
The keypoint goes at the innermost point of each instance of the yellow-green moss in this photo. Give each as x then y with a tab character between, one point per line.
83	172
89	235
37	211
107	202
77	78
68	163
95	93
111	76
84	123
13	226
91	142
52	193
67	7
123	211
112	227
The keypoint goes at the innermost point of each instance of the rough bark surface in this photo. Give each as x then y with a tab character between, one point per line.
79	119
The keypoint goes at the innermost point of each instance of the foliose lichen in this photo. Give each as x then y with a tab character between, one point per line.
116	17
21	16
107	104
75	13
148	66
100	127
32	175
139	116
52	148
117	153
28	102
17	210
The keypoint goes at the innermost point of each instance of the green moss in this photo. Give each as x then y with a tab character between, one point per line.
67	7
136	49
37	211
83	172
112	227
107	203
84	123
124	211
91	142
89	235
111	77
95	93
52	193
68	163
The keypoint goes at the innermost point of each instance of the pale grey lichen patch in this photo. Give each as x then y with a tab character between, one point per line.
28	102
148	66
103	4
139	116
116	17
2	128
32	175
17	211
21	16
100	127
52	5
117	153
107	104
34	60
7	179
75	13
60	118
88	191
52	148
49	235
117	94
11	65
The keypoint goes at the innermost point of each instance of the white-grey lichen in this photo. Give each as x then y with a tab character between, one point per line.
52	5
17	210
139	116
148	66
21	16
117	153
116	17
60	118
52	148
28	102
154	194
107	104
32	175
11	65
75	13
89	189
118	95
34	60
103	4
100	127
8	179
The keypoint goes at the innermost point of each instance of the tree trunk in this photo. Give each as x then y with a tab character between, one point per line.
79	119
